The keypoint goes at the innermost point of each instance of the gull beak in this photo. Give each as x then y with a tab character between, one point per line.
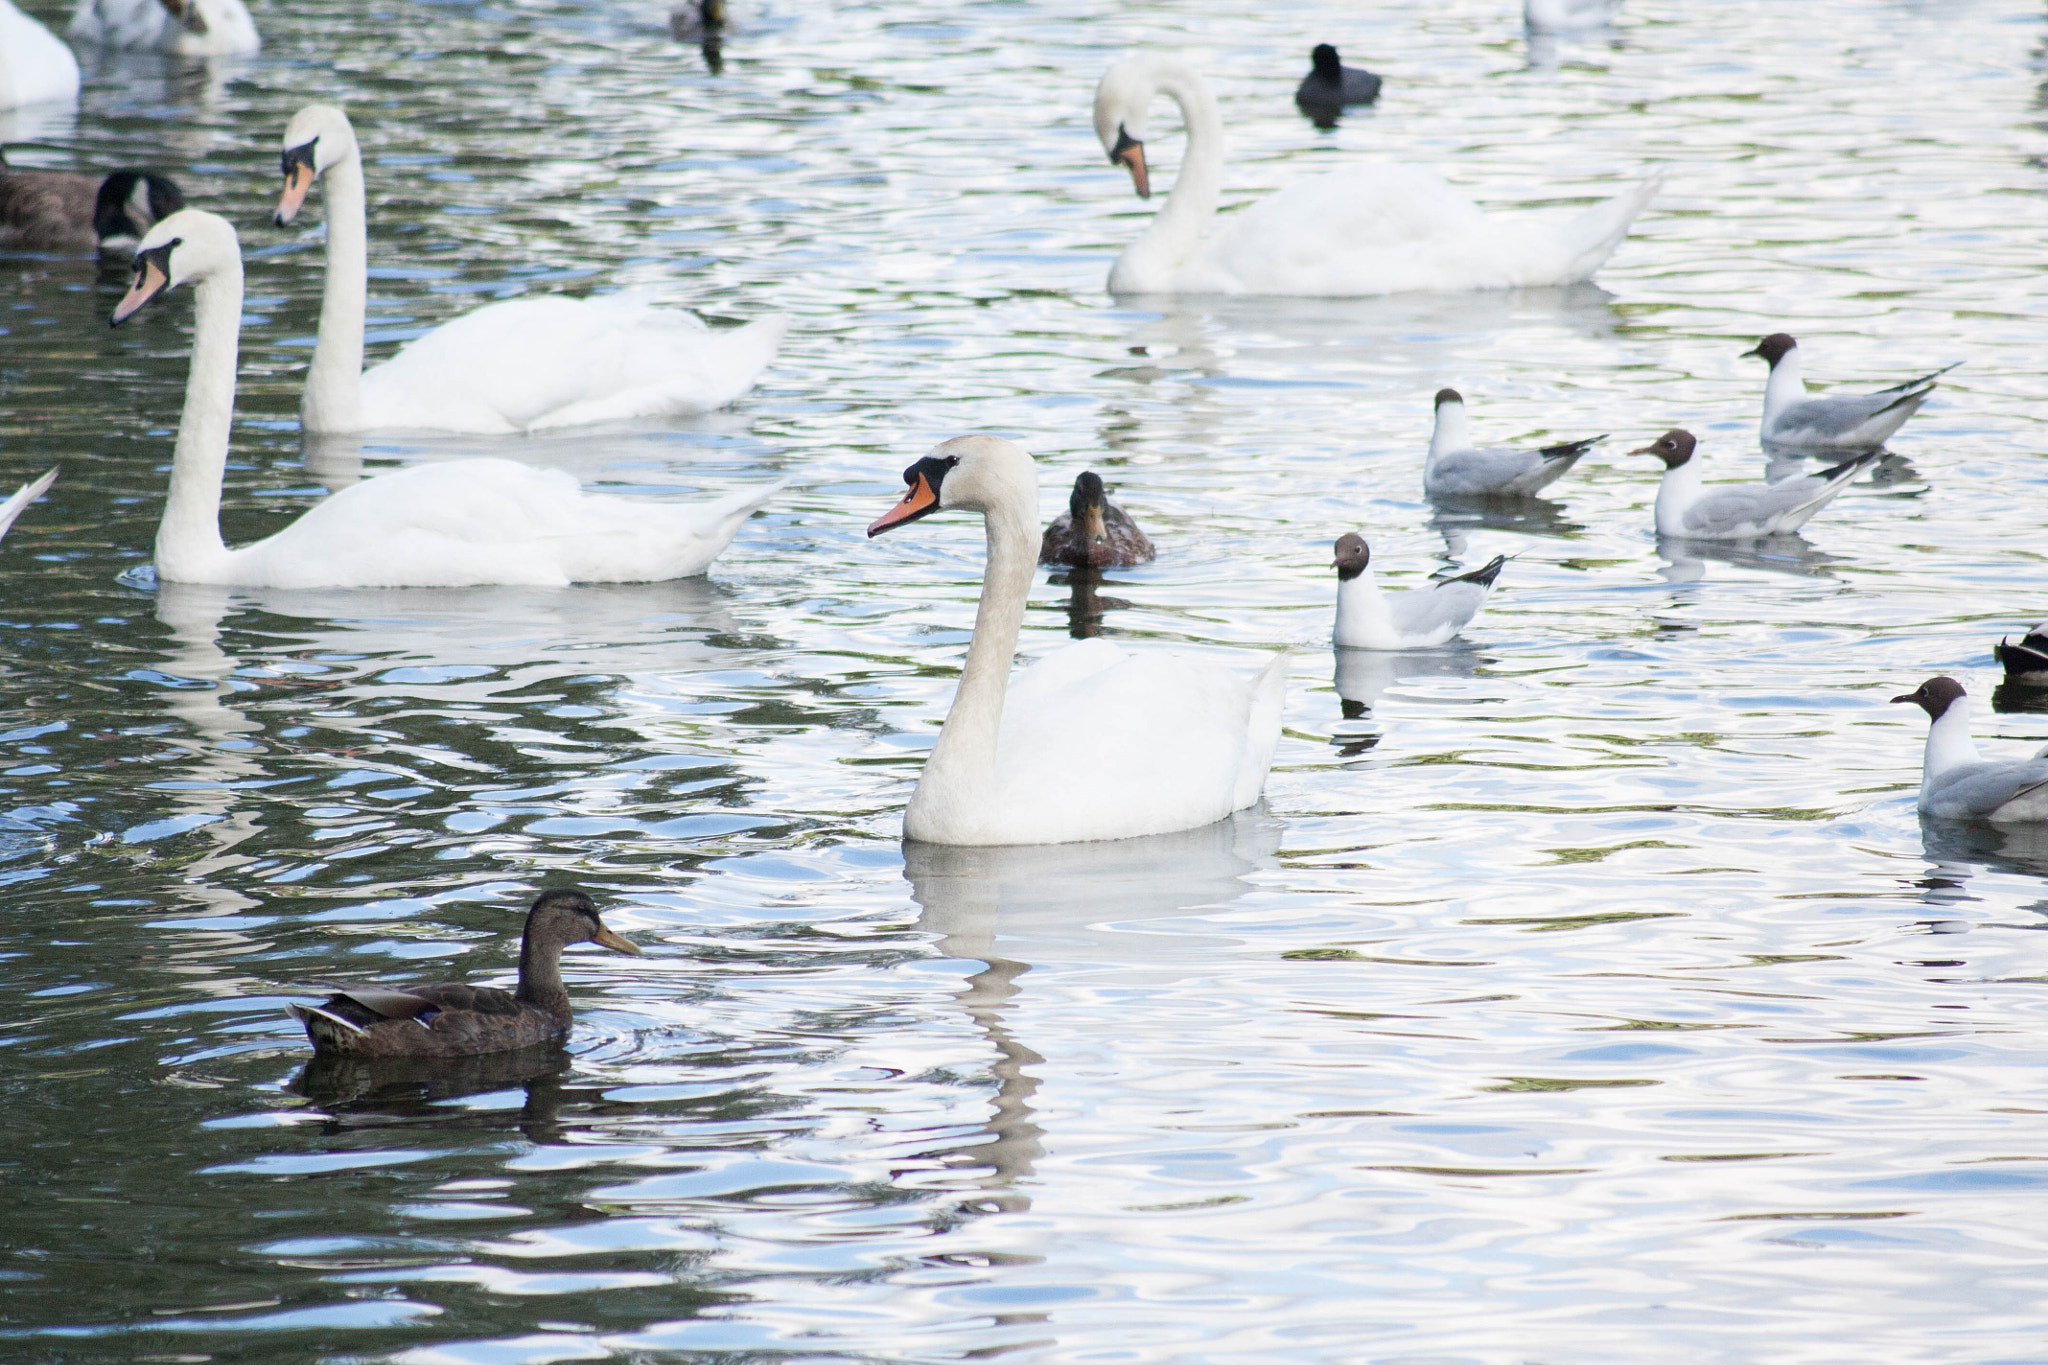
919	499
151	279
1644	450
1756	350
298	180
612	941
1910	696
1130	153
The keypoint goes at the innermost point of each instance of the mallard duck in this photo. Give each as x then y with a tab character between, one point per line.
454	1020
1093	533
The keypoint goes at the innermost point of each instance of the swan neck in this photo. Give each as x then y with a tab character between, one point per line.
1170	239
188	539
959	778
334	385
1679	490
1363	620
1949	745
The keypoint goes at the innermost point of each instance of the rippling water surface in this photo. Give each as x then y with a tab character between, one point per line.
1587	993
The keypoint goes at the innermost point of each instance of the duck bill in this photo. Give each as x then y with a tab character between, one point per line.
1130	154
612	941
150	280
298	182
920	499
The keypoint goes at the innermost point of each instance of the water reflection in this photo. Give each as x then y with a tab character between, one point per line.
1685	561
1085	605
1959	848
352	1088
1067	905
1453	518
1365	675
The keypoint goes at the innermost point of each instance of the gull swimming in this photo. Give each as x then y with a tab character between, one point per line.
1743	511
1956	782
1859	422
1457	468
1417	619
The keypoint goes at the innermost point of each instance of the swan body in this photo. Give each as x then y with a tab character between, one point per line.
1369	229
35	66
450	524
1093	741
190	28
59	211
1455	467
521	365
1847	422
1420	618
1568	16
457	1020
1094	533
23	496
1744	511
1957	783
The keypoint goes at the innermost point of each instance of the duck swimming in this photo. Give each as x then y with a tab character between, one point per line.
455	1020
1093	533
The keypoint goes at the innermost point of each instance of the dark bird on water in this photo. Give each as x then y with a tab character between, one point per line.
1093	533
456	1020
59	211
2027	661
1330	86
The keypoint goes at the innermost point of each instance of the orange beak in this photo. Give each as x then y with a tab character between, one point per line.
298	179
1130	153
618	945
918	499
150	281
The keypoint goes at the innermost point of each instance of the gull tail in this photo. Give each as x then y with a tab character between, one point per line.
1483	576
1919	387
1589	239
1571	450
23	496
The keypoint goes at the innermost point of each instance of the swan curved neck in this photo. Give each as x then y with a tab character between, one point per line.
188	543
1168	242
959	778
334	384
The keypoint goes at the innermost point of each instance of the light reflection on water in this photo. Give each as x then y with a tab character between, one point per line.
1586	991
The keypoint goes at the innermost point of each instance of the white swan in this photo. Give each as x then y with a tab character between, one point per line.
452	524
23	496
1374	228
1091	742
35	66
190	28
521	365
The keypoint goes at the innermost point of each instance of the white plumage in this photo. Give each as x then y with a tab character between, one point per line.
190	28
521	365
1957	783
1455	468
1420	618
1743	511
1093	741
23	496
1371	228
35	66
452	524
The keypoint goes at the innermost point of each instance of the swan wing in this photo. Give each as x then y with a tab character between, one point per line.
23	496
1102	743
531	363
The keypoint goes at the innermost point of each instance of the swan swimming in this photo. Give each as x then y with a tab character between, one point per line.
23	496
190	28
35	66
1372	228
452	524
521	365
1093	741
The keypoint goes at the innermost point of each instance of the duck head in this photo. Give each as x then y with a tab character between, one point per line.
1674	447
185	248
318	138
1085	505
972	473
565	917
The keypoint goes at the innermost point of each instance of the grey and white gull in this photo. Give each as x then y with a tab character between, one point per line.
1861	421
1958	783
1744	511
1417	619
1456	468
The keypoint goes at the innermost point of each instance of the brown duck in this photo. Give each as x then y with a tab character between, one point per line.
454	1020
1093	533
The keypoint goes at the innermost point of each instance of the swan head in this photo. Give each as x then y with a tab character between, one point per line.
318	138
1674	447
972	473
187	247
1121	98
1773	348
1353	554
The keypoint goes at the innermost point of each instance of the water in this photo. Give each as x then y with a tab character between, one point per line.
1590	993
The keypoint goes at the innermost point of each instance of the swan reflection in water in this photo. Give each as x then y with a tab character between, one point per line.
1068	906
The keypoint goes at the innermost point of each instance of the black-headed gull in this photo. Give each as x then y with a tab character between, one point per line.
1370	619
1848	422
1743	511
1456	468
1956	782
